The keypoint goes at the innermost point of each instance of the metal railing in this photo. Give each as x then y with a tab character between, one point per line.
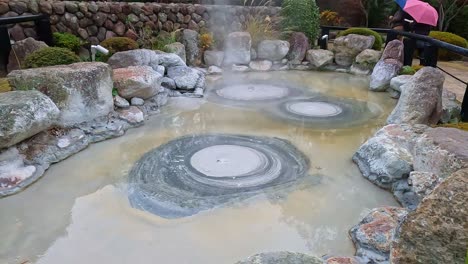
44	32
429	58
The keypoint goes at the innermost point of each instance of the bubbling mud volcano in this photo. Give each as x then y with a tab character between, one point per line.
325	112
195	173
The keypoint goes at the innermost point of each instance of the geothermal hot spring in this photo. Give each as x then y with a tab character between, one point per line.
262	163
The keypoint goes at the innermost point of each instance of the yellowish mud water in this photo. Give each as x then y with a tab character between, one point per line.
79	211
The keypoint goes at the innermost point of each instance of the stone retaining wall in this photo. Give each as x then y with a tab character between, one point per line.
96	21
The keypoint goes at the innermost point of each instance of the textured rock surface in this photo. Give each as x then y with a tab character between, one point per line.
282	257
20	50
213	58
388	67
320	58
342	260
82	91
190	41
186	78
144	57
421	100
437	231
212	70
24	114
451	108
397	83
261	65
132	115
178	49
374	234
299	44
273	50
346	48
365	62
237	48
137	81
121	102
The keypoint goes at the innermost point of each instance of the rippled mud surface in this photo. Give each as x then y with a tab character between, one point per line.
80	211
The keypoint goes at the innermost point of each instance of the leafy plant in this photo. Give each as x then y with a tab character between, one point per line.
330	18
206	41
50	56
452	39
365	32
410	70
301	16
259	24
67	41
162	40
460	23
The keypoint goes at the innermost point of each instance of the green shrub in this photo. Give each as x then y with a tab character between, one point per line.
117	44
407	70
50	56
365	32
452	39
67	41
301	16
163	39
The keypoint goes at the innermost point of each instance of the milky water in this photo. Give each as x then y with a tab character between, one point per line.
79	211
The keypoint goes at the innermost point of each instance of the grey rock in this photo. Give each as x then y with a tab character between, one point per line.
346	48
281	257
137	101
160	69
20	50
261	65
121	102
273	50
185	77
213	70
132	115
451	108
319	58
24	114
190	40
213	58
240	68
237	48
82	91
421	100
137	81
365	62
384	71
168	83
178	49
397	83
299	45
144	57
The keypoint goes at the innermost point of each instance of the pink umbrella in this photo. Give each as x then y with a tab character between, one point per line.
422	12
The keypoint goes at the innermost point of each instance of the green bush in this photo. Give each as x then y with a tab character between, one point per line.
67	41
365	32
460	23
117	44
410	70
301	16
452	39
50	56
163	39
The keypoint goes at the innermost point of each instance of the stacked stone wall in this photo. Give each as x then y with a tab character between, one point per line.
96	21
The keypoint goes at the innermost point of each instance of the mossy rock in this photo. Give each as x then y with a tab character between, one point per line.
4	85
365	32
117	44
67	41
50	56
452	39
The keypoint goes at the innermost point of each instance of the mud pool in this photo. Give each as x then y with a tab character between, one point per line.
80	211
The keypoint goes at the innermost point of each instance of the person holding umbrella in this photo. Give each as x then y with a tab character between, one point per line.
422	17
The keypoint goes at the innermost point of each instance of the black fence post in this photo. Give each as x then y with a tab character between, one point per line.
430	54
44	32
5	46
324	41
391	35
464	106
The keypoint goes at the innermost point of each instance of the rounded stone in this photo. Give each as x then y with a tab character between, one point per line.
200	172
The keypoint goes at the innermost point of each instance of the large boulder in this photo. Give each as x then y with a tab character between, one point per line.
388	67
437	231
178	49
82	91
213	58
319	58
20	50
282	257
421	100
237	48
346	48
24	114
144	57
190	39
299	44
137	81
373	236
186	78
387	157
273	50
